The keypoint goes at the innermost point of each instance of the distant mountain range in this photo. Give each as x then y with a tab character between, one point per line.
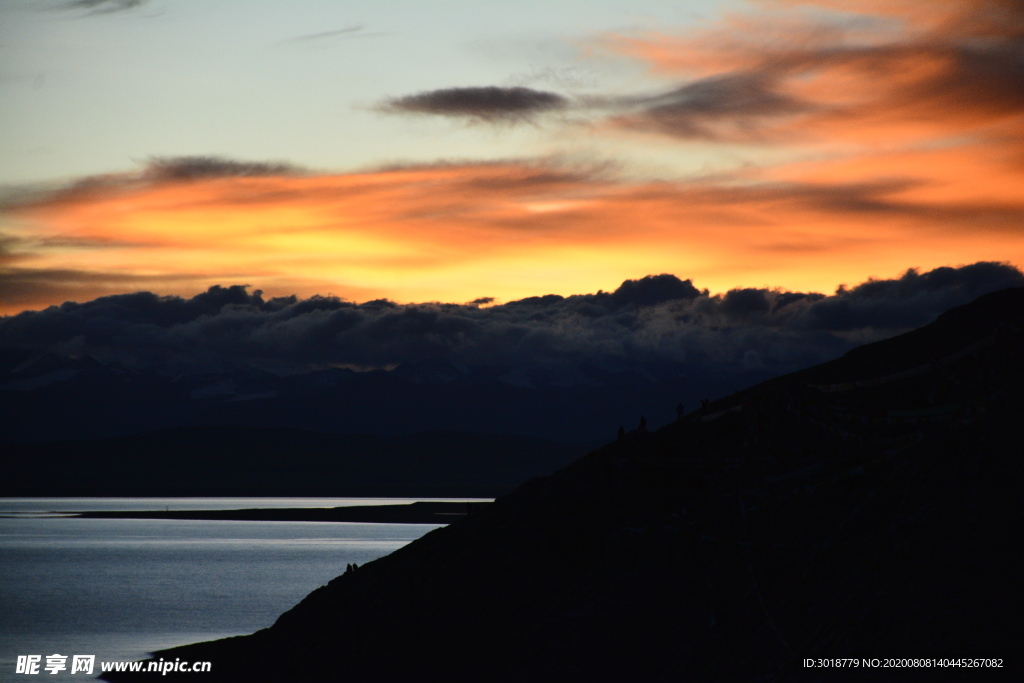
74	426
865	509
52	397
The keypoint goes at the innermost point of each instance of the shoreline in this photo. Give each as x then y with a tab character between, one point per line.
424	512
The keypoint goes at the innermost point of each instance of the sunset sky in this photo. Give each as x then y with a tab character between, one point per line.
449	151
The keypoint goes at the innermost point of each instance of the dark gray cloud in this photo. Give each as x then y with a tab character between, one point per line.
347	31
660	326
652	290
491	104
731	107
201	167
104	6
154	171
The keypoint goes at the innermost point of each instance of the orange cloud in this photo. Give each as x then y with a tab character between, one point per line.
510	230
902	124
864	73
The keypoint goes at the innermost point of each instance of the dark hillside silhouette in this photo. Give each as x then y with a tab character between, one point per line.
869	507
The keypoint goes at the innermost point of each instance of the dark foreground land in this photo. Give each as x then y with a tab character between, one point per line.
865	508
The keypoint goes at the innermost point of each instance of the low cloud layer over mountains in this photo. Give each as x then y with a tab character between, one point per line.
658	325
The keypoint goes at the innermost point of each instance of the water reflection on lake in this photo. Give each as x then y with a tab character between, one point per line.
120	588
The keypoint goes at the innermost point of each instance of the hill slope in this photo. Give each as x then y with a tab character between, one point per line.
864	508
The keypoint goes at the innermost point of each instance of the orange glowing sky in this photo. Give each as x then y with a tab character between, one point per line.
857	149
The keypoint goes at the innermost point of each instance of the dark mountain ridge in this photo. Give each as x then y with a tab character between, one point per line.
864	508
250	461
56	398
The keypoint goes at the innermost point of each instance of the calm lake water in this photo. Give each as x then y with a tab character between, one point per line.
120	588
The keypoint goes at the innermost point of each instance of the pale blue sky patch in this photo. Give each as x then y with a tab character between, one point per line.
90	87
